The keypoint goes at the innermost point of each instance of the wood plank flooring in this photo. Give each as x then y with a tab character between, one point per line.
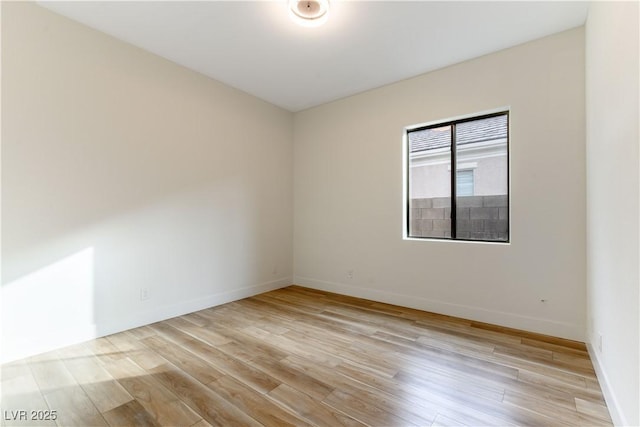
301	357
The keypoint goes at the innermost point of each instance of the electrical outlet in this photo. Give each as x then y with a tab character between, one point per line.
144	294
349	274
600	343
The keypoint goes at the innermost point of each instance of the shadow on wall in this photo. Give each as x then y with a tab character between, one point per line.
182	253
177	184
54	300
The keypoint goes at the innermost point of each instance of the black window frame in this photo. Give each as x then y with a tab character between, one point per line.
453	150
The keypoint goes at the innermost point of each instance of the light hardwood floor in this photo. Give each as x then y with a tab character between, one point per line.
302	357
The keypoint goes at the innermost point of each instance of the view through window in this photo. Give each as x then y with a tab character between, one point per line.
471	200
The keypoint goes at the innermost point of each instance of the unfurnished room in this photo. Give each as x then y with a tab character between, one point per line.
320	213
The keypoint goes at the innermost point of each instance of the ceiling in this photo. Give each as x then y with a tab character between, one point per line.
257	48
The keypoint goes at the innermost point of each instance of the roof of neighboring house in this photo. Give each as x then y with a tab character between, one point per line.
466	133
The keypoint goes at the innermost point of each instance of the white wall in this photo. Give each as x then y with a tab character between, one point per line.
121	170
613	278
348	193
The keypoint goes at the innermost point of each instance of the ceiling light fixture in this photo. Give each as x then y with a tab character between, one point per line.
309	13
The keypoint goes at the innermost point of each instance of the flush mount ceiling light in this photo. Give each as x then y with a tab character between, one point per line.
309	13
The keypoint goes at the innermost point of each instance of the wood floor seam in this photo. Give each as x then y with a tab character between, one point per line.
302	357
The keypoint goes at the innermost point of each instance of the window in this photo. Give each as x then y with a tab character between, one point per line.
465	183
473	202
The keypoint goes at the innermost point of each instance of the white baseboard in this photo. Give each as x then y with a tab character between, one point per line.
160	313
511	320
36	346
616	413
28	345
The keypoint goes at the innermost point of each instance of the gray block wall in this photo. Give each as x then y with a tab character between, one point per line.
479	217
